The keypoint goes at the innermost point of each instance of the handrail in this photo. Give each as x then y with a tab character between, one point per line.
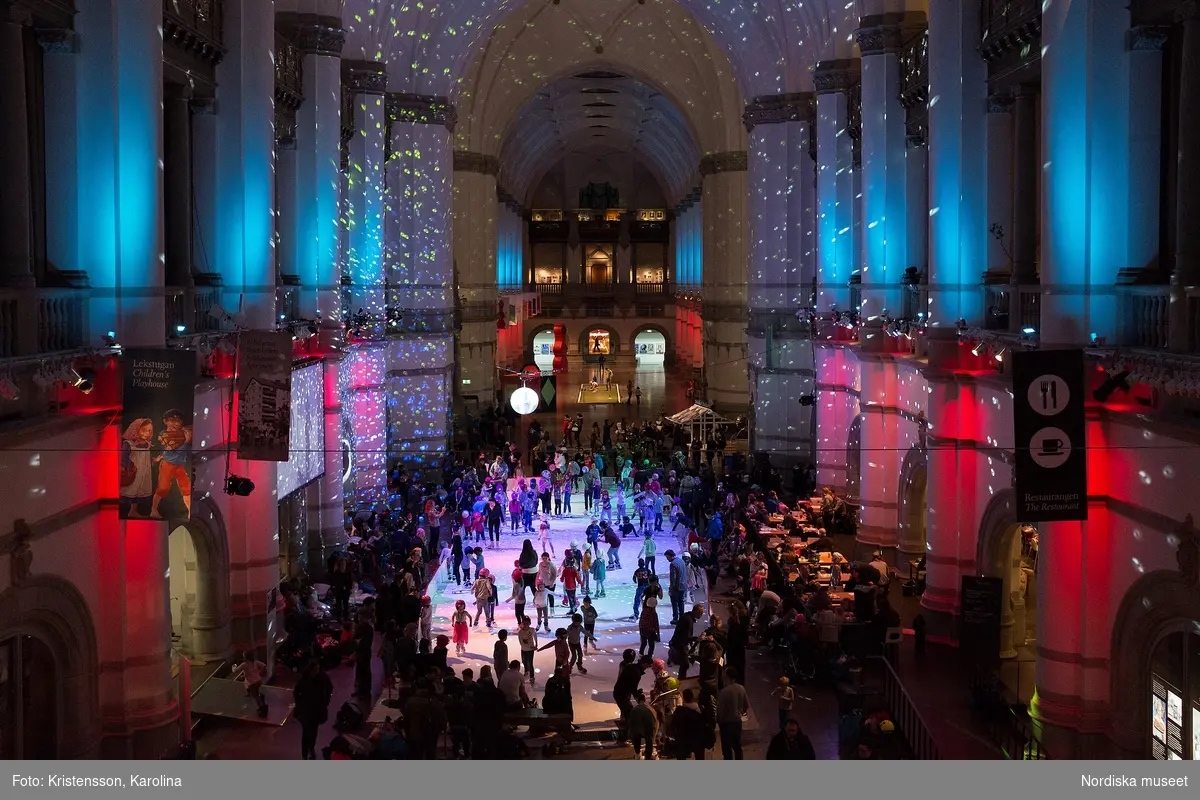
906	716
1013	734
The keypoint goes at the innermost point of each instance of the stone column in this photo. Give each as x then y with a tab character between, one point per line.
885	178
957	174
419	267
332	511
318	154
835	183
177	181
724	214
16	254
204	183
1145	46
1187	177
364	206
1085	172
245	254
145	657
917	163
1001	185
882	453
484	232
1025	169
781	179
62	169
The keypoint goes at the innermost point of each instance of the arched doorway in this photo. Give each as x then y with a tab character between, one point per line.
199	584
543	349
29	701
650	348
1008	550
1155	674
49	672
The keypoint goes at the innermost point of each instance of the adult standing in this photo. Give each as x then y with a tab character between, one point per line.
677	584
425	719
737	637
312	694
682	638
732	706
790	744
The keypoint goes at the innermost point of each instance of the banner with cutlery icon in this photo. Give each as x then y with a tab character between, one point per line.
1050	476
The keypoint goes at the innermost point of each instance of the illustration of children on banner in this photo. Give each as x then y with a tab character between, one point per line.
174	464
137	470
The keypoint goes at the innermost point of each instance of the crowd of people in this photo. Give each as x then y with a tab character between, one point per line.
443	531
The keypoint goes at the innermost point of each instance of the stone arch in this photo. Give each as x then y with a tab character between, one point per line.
854	459
1155	606
653	326
910	510
210	616
998	527
530	335
55	612
613	338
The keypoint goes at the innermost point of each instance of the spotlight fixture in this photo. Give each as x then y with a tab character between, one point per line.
180	329
312	329
85	380
241	487
1116	381
42	379
807	400
1029	331
110	339
978	348
1000	353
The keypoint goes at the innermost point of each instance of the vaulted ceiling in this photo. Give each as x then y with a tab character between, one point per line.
599	115
509	65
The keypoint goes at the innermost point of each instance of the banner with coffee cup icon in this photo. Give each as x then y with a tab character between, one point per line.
1051	427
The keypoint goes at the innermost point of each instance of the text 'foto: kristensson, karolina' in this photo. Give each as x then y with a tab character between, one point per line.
1132	782
60	781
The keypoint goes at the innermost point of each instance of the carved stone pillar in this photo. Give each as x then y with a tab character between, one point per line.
1025	185
835	182
16	254
177	180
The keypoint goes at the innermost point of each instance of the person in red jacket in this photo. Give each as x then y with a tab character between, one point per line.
570	577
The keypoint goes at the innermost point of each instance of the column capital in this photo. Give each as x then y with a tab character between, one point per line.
203	106
837	76
56	40
878	34
315	34
365	77
1146	37
999	104
775	108
469	161
421	109
731	161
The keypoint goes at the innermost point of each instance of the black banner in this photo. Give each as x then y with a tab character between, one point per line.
1050	427
982	602
155	464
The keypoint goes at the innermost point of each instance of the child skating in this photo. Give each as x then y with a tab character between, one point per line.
460	626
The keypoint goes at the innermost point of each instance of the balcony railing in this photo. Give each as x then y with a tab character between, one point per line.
42	320
189	308
548	288
1143	316
1011	308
